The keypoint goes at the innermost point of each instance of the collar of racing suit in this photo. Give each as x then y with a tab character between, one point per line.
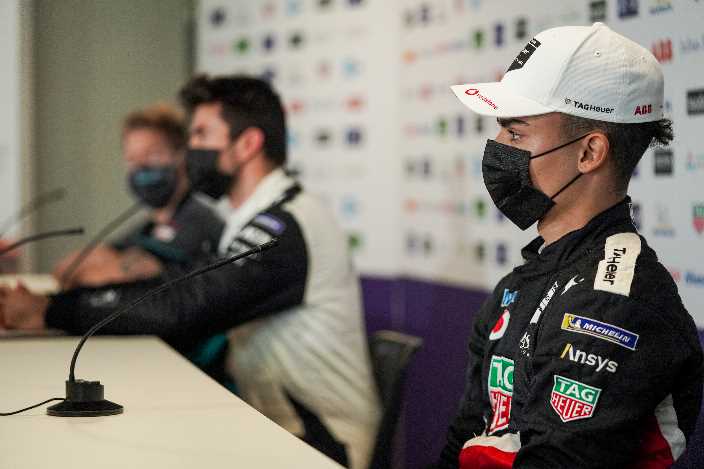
577	244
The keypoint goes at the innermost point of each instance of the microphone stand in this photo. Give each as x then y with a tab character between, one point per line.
86	398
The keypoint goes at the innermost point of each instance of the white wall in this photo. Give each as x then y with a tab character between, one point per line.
10	117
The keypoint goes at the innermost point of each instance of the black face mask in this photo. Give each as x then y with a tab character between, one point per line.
153	185
507	178
203	172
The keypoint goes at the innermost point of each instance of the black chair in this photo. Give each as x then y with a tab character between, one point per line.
391	352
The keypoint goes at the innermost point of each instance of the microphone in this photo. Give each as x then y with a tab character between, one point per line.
93	243
86	398
40	236
32	206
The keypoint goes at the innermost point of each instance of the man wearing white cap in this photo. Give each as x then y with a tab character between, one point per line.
584	356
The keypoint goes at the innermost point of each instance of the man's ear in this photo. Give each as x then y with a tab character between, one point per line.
249	144
593	153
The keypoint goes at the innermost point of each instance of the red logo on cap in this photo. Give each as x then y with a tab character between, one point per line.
643	110
475	92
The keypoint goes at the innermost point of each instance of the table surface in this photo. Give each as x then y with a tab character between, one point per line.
175	415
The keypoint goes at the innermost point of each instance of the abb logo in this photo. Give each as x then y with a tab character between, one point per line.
643	110
662	50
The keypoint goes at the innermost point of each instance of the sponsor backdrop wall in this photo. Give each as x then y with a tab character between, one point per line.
376	131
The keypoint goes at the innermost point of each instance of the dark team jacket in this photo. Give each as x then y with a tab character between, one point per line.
203	305
584	356
193	231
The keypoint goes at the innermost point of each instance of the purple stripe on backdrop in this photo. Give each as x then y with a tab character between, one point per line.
442	316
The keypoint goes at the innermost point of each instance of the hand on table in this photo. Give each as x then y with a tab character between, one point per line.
101	257
21	309
106	265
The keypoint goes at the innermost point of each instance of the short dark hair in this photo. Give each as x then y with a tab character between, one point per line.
246	102
627	142
162	118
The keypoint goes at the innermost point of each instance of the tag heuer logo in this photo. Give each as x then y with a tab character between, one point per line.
573	400
698	218
500	392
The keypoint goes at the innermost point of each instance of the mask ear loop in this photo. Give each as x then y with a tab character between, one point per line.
566	186
574	179
557	148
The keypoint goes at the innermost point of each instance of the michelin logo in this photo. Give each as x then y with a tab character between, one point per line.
600	330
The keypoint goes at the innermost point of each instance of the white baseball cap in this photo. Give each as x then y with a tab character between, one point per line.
585	71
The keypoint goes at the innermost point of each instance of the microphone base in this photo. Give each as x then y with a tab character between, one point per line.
84	409
84	399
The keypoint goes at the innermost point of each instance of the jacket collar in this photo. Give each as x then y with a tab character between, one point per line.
267	193
581	242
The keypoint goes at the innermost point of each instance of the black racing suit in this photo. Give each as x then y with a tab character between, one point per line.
192	232
584	356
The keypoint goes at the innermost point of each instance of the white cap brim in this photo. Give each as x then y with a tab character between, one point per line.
495	99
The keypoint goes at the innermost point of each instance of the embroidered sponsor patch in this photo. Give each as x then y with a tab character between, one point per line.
500	327
572	353
544	303
255	235
270	222
500	392
524	55
573	281
573	400
165	233
616	270
508	298
104	299
600	330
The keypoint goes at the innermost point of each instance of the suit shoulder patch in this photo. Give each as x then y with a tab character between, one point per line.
616	271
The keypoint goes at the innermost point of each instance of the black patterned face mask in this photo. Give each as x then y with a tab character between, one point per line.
507	178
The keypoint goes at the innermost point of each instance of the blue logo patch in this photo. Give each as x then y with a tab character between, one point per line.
270	222
600	330
509	297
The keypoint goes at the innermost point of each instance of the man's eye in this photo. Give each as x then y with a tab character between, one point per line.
513	134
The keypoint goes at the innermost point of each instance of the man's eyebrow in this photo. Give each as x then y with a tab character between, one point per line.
507	122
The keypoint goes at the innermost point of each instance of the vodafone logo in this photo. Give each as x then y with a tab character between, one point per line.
500	327
475	92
